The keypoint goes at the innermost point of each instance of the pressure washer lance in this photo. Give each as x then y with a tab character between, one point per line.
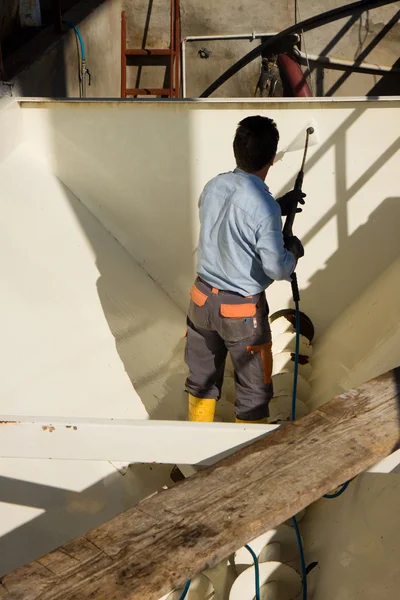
288	226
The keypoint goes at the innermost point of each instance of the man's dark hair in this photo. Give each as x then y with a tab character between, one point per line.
255	143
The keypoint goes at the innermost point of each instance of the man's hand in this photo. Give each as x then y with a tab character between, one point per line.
294	245
288	200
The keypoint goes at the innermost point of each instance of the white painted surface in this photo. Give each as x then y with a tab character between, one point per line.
354	538
284	363
281	542
84	321
140	167
283	386
355	541
82	325
286	583
91	318
123	440
44	504
11	126
363	342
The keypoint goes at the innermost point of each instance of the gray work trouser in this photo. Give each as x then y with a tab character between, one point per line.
220	322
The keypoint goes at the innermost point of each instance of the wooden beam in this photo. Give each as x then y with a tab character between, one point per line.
154	547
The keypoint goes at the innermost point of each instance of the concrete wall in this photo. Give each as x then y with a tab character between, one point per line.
373	37
48	66
8	15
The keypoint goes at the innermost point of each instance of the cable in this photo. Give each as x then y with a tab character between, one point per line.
256	571
185	590
297	9
307	25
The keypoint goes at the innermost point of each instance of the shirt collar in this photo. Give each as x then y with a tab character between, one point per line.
254	178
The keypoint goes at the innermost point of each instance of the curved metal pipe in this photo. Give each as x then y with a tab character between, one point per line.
307	25
294	76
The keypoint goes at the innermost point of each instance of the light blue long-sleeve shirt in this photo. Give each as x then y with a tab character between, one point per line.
241	245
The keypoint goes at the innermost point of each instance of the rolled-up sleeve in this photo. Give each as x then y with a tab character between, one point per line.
278	263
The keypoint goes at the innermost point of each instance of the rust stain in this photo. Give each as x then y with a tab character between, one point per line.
68	426
9	422
75	428
49	427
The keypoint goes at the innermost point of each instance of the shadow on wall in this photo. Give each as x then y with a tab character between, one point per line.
160	385
145	324
361	534
136	311
362	256
391	83
69	514
388	84
48	65
359	260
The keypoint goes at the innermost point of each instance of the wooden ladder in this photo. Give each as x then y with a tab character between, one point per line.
169	57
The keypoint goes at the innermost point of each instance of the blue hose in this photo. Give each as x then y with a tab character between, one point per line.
256	570
185	590
302	558
294	394
340	491
79	36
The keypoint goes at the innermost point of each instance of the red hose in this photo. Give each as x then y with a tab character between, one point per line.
293	76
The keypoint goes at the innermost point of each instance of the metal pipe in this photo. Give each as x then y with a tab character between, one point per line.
177	46
83	71
171	57
83	78
203	38
340	64
293	76
123	54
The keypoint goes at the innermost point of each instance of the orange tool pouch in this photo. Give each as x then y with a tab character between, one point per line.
265	351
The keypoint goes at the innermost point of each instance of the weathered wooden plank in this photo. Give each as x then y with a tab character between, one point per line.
152	548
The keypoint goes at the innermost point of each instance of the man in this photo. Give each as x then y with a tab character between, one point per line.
241	251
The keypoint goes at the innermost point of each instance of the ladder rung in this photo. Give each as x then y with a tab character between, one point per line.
148	92
149	52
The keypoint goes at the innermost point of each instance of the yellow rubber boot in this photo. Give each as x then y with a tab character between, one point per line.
264	420
201	409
